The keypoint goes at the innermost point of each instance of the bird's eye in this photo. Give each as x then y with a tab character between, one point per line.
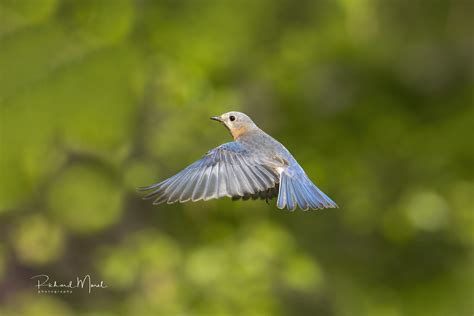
232	118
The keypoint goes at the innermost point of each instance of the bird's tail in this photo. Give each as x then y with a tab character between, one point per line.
297	190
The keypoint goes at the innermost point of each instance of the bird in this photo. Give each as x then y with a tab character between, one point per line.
253	166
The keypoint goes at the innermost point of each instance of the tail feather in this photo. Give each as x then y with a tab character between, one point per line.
313	201
328	203
301	195
290	200
298	190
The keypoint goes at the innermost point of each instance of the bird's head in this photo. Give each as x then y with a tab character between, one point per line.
236	122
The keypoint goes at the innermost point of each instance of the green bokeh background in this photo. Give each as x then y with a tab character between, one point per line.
373	97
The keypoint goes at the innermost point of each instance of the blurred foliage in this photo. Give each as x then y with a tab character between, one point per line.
37	241
100	209
373	97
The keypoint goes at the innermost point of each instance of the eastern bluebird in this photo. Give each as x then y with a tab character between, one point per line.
253	166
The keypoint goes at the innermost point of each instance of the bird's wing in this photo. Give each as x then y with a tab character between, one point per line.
262	195
228	170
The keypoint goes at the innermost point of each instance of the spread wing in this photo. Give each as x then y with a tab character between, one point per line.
228	170
262	195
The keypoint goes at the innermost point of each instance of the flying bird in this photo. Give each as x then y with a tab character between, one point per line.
254	165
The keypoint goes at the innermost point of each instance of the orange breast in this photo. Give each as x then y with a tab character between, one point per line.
237	132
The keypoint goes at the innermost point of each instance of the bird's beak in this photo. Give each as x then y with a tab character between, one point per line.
216	118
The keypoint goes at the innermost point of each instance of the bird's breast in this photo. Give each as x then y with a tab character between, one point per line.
238	132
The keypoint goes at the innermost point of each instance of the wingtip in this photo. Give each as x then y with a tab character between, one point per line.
142	189
159	200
